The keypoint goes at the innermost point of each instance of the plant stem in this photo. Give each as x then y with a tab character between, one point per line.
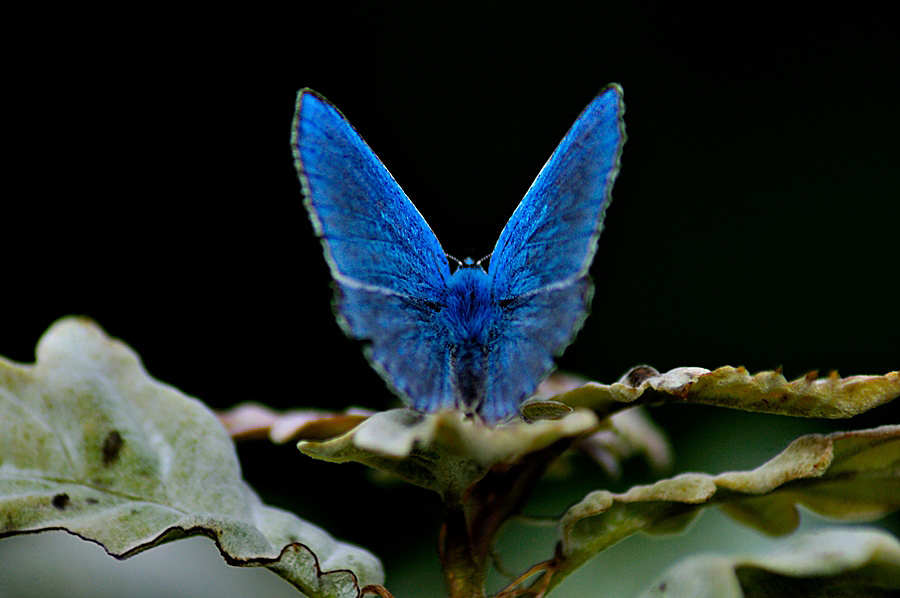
472	521
464	571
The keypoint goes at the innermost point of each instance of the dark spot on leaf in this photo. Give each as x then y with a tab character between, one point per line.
92	501
61	501
112	446
638	374
661	587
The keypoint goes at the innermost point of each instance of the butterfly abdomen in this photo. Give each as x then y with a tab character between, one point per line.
468	319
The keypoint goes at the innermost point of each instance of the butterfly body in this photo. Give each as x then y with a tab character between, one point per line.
468	339
470	324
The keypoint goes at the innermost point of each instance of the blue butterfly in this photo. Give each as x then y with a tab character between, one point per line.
465	338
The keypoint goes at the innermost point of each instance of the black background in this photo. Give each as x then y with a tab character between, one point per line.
151	187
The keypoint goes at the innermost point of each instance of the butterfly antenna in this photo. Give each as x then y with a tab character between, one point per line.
485	258
451	260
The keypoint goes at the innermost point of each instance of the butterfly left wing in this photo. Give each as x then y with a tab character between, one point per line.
539	267
390	270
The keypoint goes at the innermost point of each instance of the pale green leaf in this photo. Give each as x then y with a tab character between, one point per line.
854	562
851	475
444	451
767	392
90	444
465	449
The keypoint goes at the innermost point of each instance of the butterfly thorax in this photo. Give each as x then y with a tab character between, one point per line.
468	312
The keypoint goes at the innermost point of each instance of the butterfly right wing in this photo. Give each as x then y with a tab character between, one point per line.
539	267
551	238
390	269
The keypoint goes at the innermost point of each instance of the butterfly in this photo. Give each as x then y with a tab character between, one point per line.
464	337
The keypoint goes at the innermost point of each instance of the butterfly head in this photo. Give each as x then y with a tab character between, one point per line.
467	263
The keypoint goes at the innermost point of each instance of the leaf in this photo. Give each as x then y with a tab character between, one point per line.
858	562
252	420
624	435
444	451
852	475
92	445
766	392
618	437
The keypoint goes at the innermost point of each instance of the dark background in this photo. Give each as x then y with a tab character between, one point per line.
152	188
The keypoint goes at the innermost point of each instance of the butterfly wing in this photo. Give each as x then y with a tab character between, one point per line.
539	267
390	271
